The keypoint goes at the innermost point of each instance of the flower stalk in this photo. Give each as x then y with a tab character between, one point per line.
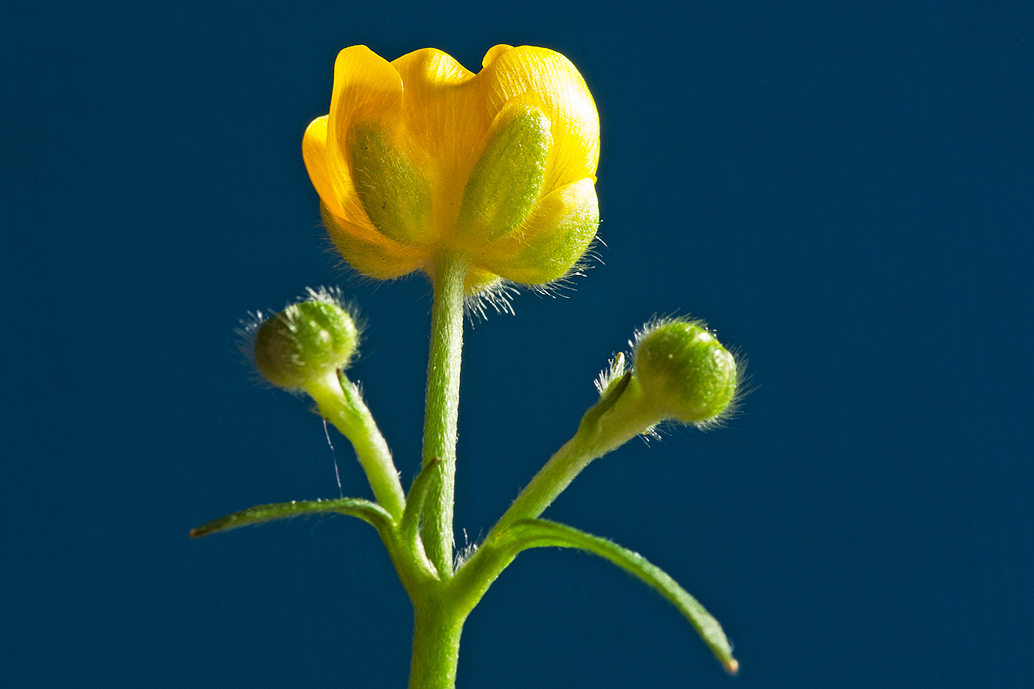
339	402
442	407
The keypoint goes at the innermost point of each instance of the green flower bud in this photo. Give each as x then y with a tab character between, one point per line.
305	341
685	371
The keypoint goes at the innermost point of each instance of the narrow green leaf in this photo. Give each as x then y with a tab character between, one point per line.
540	533
416	499
368	511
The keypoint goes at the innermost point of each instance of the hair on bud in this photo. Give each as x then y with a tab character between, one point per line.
686	371
613	373
305	341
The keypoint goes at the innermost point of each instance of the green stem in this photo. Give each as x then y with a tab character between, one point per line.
621	420
616	419
436	644
495	554
551	480
442	407
340	403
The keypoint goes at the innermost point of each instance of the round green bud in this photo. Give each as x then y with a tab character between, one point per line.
305	342
685	371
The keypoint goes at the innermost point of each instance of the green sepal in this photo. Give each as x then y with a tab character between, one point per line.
369	512
541	533
607	401
394	191
551	242
505	183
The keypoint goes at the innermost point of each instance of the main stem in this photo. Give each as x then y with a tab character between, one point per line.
436	645
442	407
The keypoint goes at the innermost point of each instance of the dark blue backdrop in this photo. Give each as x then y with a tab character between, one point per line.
845	191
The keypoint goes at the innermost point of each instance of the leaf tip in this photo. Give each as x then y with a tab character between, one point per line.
732	666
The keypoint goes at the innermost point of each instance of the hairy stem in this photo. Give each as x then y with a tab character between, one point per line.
605	427
340	403
436	644
442	407
616	419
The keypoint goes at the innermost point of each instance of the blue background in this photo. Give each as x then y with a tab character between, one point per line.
845	191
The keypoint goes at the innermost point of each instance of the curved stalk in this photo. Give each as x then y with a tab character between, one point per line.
620	415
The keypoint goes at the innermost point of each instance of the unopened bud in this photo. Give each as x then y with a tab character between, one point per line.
305	341
685	371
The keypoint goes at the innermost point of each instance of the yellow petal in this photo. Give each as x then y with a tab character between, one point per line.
366	88
444	118
565	100
372	255
493	53
555	237
314	152
478	280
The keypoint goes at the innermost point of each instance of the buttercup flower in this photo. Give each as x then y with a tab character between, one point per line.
420	156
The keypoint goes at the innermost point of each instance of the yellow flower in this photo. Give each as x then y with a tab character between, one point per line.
420	156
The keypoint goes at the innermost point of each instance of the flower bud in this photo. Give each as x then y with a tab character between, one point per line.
305	341
685	371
